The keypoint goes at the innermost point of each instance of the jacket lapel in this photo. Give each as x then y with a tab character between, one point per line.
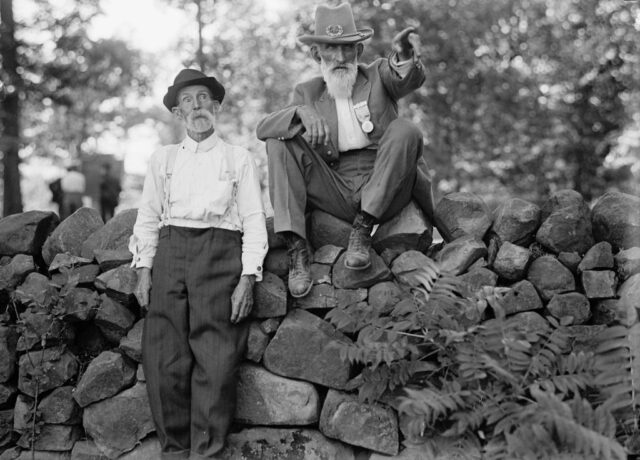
361	89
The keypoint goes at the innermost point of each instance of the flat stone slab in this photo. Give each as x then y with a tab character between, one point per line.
304	348
284	443
268	399
409	229
327	254
372	426
458	255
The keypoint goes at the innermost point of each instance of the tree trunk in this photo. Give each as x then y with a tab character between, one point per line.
10	111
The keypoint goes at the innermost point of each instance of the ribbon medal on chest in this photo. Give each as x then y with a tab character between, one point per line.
363	115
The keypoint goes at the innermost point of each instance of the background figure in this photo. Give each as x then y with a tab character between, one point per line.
109	192
73	186
56	193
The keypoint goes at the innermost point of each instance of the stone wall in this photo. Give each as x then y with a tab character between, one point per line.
70	328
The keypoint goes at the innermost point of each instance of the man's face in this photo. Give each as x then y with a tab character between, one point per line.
338	64
197	108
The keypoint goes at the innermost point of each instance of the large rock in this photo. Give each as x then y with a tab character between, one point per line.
59	407
6	427
118	424
627	263
113	319
37	290
521	297
409	267
83	275
79	304
277	262
8	393
550	277
113	235
8	356
616	219
477	278
561	199
268	399
372	426
321	297
571	304
383	296
257	342
327	254
41	327
283	443
599	284
71	234
516	221
464	214
66	261
598	257
105	376
270	297
304	347
629	294
12	274
458	255
119	284
42	455
274	239
44	370
327	229
511	261
25	233
108	259
567	229
613	311
131	344
320	273
53	438
409	229
346	278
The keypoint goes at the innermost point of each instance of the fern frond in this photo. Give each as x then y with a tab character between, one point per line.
432	403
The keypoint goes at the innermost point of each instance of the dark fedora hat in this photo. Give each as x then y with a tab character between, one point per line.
189	77
335	25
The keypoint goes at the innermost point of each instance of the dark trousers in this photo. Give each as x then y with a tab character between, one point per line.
379	182
191	350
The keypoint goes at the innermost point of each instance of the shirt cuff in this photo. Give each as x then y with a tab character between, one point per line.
252	267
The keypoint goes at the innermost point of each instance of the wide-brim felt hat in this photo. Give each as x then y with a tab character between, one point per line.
189	77
335	25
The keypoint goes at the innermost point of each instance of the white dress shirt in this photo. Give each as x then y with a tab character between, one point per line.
212	184
350	134
73	182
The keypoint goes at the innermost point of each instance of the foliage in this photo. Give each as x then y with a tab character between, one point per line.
519	391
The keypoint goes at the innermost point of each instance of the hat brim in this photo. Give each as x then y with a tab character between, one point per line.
217	90
359	36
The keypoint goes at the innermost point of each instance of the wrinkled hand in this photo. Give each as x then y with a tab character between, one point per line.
317	128
143	286
242	298
406	42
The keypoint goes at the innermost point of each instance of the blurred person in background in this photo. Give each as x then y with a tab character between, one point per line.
109	192
73	185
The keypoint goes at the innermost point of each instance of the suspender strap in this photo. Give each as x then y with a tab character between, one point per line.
166	186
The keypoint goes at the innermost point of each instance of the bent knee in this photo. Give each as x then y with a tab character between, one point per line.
405	129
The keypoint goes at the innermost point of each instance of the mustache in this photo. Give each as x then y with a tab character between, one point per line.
200	113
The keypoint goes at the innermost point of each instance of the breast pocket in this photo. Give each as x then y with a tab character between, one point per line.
222	193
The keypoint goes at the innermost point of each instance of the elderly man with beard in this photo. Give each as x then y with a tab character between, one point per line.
340	146
198	245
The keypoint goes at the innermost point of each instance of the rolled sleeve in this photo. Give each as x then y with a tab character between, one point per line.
144	241
252	216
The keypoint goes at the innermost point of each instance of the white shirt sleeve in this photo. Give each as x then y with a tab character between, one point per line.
144	241
252	217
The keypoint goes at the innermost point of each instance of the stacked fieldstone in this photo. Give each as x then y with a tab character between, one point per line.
71	384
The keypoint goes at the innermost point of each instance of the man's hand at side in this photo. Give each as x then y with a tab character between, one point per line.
242	298
317	128
407	44
143	286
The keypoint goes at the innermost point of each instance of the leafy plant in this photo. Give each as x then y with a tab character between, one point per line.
467	371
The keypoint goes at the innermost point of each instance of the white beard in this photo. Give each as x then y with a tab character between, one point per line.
340	81
196	123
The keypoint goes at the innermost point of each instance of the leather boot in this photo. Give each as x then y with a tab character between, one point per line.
357	256
299	282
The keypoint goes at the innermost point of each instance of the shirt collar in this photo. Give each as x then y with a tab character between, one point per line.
194	147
